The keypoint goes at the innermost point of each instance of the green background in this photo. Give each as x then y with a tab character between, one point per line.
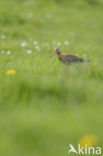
47	105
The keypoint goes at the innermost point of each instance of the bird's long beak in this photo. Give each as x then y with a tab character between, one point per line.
52	54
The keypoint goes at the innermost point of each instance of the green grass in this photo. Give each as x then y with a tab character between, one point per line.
46	105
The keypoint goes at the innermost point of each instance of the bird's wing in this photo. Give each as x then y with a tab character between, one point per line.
73	58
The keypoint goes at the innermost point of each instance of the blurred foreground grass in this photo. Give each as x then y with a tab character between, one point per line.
46	105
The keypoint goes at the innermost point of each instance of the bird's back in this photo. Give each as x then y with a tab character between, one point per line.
70	58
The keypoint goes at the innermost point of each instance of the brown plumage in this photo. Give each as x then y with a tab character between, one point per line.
69	58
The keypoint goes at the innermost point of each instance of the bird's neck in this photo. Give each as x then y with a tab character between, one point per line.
59	55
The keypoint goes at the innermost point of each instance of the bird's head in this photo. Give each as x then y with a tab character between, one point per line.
56	50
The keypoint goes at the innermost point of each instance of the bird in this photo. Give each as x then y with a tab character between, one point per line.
68	59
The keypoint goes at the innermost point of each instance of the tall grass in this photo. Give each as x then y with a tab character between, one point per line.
46	105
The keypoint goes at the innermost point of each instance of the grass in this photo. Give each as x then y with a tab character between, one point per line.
46	105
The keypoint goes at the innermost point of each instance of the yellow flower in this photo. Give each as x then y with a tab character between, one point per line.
89	140
11	72
77	54
55	6
94	64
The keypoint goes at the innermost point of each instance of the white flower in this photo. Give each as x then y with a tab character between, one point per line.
29	51
66	42
29	3
58	44
84	55
30	39
16	43
72	34
37	48
8	52
23	44
35	42
9	62
29	15
54	42
48	15
3	37
2	52
45	44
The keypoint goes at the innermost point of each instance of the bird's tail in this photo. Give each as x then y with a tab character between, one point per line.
87	60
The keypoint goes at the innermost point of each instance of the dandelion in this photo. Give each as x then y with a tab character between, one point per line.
55	6
29	51
89	140
10	72
94	64
23	44
66	42
77	54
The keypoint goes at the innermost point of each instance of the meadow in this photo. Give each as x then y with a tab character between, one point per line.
44	104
